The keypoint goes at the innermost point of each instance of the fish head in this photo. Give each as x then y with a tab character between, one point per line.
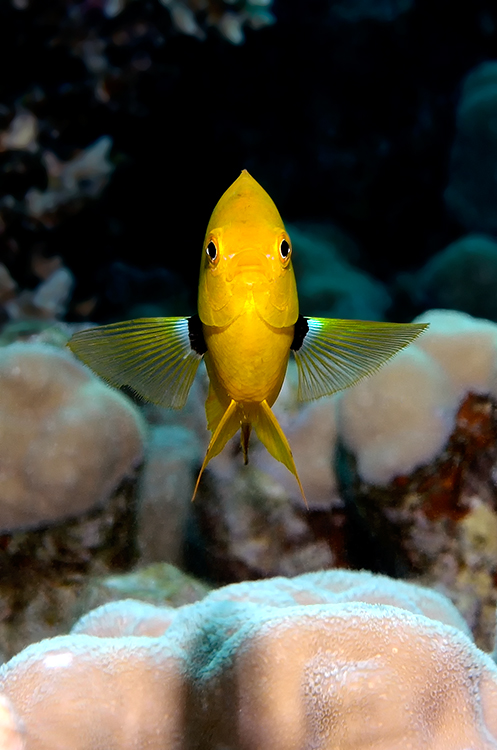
247	258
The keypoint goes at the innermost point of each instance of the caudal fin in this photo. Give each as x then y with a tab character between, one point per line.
227	426
273	438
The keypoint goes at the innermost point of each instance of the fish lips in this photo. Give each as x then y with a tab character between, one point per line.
249	265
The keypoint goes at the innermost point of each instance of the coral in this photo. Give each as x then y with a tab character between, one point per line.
228	20
126	617
472	190
66	439
394	423
401	417
21	133
375	10
252	520
46	575
286	664
175	447
329	285
191	17
439	523
156	584
462	277
83	176
11	733
58	124
420	462
400	472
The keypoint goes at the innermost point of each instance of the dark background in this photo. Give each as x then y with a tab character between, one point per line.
344	121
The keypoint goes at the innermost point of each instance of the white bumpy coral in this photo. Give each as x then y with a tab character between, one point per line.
66	439
336	659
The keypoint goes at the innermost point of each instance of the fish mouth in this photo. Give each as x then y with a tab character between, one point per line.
252	263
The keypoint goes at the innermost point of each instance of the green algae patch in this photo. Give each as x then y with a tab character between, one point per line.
159	583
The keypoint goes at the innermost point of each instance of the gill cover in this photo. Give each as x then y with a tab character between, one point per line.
244	261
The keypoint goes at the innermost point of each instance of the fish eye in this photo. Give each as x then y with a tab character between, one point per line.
285	250
211	251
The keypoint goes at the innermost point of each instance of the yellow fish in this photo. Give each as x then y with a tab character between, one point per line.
248	322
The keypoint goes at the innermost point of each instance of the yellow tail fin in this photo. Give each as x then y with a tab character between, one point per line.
226	428
273	438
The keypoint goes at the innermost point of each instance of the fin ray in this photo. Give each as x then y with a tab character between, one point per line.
274	439
227	427
335	354
214	409
153	356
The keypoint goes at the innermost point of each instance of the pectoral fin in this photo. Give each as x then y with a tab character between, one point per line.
334	354
156	357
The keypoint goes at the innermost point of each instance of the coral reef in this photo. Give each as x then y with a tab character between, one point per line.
462	276
70	451
166	488
157	584
83	176
329	285
67	440
472	190
344	110
402	481
374	663
45	574
189	17
136	72
252	521
380	10
402	416
11	732
422	475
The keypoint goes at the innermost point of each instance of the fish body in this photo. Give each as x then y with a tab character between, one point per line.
247	298
248	324
248	358
248	307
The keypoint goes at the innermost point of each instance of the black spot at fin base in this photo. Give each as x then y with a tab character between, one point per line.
196	335
300	332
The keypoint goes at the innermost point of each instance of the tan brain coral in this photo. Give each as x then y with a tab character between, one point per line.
66	440
248	668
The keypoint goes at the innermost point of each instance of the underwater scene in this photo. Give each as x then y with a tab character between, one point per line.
248	375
